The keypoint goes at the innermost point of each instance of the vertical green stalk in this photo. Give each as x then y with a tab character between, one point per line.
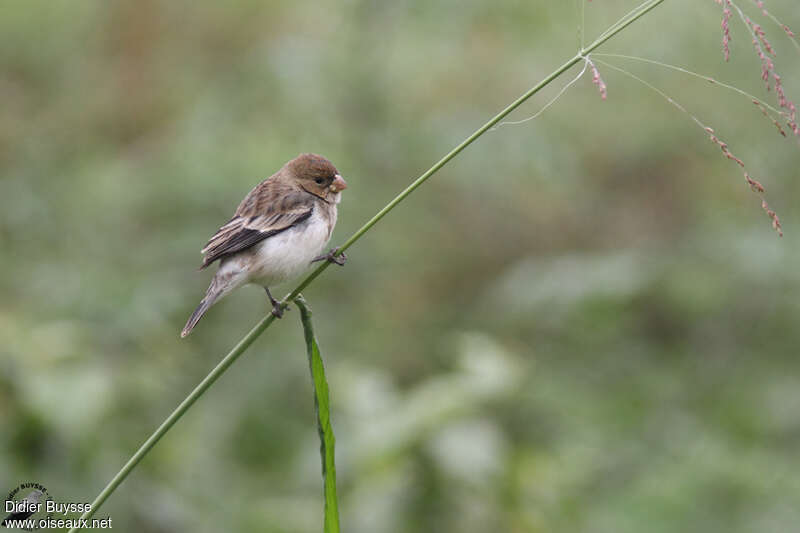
327	442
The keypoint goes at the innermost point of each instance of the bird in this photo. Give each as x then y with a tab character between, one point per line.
27	508
278	230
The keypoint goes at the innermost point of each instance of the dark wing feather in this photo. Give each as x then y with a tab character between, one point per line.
270	208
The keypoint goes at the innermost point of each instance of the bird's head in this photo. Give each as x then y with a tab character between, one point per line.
318	176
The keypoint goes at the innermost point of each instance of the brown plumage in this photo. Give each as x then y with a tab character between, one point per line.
274	205
279	227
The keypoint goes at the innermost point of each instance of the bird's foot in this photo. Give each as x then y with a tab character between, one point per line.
331	256
277	310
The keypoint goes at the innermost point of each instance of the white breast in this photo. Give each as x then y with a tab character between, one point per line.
289	253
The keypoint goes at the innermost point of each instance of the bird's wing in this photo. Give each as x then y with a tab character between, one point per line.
269	209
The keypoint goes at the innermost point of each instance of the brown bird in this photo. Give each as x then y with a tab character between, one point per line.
278	230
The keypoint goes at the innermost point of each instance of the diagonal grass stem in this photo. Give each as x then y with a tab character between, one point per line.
265	322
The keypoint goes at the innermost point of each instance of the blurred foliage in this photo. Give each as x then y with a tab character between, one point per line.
585	323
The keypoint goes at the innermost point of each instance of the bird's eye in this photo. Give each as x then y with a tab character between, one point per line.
319	181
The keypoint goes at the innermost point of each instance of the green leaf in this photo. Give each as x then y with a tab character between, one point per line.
322	406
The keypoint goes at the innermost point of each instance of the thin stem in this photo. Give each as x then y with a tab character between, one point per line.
582	29
292	296
755	186
469	140
695	74
783	26
198	391
746	22
632	13
649	85
548	104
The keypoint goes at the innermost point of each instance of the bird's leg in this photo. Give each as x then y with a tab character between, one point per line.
277	310
331	256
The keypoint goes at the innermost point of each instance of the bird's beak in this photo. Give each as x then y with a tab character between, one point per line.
338	184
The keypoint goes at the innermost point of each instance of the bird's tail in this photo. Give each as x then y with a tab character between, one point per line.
219	287
205	304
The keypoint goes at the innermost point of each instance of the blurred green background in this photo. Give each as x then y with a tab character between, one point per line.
583	324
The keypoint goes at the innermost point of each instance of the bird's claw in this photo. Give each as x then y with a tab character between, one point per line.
331	256
277	309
